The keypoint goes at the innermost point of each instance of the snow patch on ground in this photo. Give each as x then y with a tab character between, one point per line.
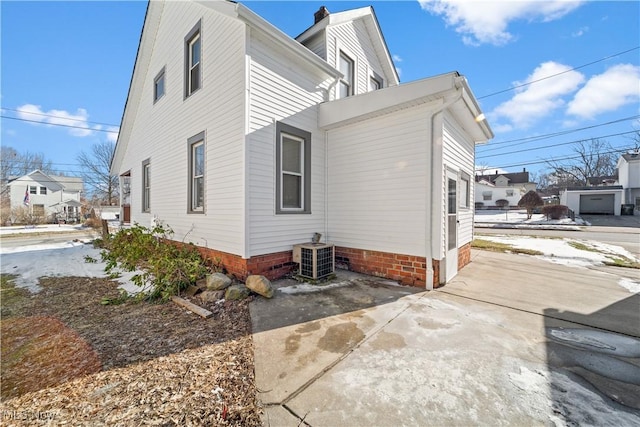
47	228
560	251
307	288
30	263
519	217
630	285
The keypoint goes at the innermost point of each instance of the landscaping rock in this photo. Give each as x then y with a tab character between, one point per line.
217	281
260	285
236	292
211	296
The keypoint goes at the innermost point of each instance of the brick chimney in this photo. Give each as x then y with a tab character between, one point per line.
322	13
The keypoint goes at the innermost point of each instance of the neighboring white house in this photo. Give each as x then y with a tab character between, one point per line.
501	186
606	198
629	179
47	197
246	142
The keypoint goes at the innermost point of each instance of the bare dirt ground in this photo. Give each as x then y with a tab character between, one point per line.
69	359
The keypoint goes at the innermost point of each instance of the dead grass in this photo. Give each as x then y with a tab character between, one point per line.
161	364
489	245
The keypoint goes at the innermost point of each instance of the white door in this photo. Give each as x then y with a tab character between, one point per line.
451	268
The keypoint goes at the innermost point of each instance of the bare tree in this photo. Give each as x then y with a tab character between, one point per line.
594	157
95	167
14	163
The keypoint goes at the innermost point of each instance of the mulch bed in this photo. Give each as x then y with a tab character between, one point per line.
70	359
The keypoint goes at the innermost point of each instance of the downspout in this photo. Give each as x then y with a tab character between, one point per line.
436	176
326	165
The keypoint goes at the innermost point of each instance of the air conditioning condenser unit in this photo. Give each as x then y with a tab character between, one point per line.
316	259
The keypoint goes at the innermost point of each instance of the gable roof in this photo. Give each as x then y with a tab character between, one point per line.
145	51
513	178
368	16
42	178
53	182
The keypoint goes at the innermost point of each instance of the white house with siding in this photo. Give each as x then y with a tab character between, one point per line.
247	141
47	197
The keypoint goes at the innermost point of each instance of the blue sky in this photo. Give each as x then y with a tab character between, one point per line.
70	63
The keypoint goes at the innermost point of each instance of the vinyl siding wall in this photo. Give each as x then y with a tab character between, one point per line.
317	45
353	38
162	129
281	89
377	178
459	155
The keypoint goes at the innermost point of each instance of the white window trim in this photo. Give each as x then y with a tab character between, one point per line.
283	172
374	76
354	85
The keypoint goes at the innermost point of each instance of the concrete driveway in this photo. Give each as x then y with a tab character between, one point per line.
513	340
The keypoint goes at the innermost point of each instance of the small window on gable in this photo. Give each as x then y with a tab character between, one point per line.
293	166
33	189
158	86
43	190
197	165
375	82
465	196
346	66
193	61
146	186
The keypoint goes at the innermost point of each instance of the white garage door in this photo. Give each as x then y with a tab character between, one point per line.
597	204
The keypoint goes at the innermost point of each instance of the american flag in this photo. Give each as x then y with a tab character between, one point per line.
26	197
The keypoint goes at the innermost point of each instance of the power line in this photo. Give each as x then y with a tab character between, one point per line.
560	73
59	124
550	146
554	134
557	159
55	117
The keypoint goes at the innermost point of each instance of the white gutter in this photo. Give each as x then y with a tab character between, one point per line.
436	176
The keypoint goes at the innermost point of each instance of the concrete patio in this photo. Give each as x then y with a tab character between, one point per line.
511	340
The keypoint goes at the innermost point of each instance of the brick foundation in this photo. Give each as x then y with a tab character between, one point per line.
407	269
464	255
272	266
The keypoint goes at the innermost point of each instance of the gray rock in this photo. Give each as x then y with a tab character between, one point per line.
236	292
211	296
217	281
260	285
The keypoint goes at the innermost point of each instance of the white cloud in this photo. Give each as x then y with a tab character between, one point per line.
112	133
539	99
78	120
487	21
580	32
617	86
397	58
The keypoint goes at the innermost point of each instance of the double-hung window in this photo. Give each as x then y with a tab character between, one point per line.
196	173
193	61
346	66
146	186
293	164
43	190
33	189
